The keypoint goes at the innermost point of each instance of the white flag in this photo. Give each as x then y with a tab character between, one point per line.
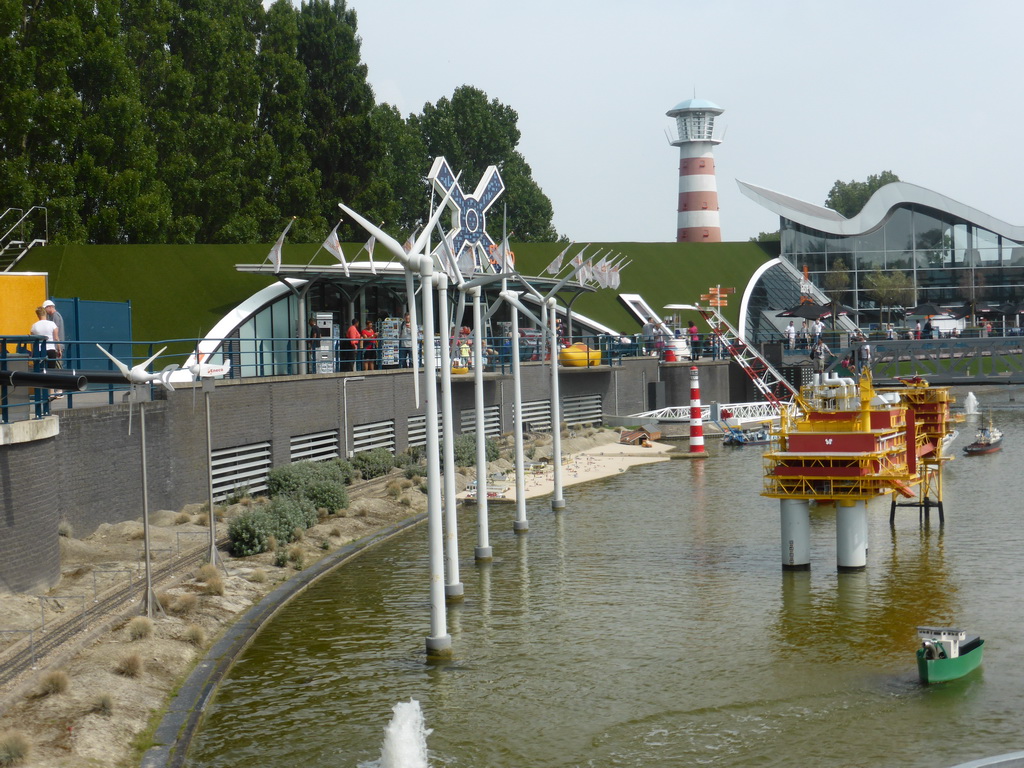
556	266
275	252
333	245
467	264
616	278
369	249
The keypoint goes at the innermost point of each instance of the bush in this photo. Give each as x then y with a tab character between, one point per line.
103	705
195	635
54	682
140	628
64	529
14	748
250	532
465	450
214	585
373	463
181	605
130	665
329	495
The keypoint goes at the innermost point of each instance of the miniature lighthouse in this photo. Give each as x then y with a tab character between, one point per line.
698	193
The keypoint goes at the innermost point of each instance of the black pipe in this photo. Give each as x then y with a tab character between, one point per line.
52	379
100	376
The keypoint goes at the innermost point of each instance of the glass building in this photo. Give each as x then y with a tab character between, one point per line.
954	254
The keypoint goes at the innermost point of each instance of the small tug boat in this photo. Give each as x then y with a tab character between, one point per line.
946	654
988	440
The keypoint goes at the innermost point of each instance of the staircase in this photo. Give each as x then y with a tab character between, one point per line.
16	228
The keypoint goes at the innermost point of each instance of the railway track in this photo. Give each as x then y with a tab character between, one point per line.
42	643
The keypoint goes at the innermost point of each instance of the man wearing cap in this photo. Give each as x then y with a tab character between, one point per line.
54	316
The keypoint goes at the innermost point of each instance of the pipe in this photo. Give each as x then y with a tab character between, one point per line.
49	380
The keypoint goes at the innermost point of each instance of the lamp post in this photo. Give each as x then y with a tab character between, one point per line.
344	401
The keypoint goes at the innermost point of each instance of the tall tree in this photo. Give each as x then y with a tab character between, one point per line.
473	133
889	289
338	104
849	197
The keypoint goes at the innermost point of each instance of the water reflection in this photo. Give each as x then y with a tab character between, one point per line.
651	624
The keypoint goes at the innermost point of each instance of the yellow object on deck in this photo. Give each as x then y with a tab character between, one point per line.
579	355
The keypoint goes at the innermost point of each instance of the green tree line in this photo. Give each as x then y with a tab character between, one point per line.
217	121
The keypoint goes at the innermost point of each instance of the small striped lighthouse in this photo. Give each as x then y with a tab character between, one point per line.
698	193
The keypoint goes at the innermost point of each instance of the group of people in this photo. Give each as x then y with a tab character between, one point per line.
656	337
807	336
49	325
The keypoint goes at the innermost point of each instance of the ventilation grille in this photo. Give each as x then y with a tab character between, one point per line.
582	409
536	416
377	434
318	446
492	421
243	466
418	430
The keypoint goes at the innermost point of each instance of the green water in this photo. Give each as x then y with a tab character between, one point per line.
651	625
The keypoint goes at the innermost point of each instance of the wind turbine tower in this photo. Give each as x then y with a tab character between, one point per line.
698	193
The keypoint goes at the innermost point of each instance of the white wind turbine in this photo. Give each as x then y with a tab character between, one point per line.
415	261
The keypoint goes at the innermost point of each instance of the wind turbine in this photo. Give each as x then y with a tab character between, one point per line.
137	376
415	261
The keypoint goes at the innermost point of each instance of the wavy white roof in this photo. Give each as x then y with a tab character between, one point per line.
891	196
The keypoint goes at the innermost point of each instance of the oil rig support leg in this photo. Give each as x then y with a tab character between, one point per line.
851	535
796	534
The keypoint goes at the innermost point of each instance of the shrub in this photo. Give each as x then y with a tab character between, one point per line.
206	571
328	494
465	449
259	576
14	748
130	665
214	585
182	517
140	628
54	682
296	556
250	532
281	558
203	520
181	605
103	705
325	545
238	495
342	470
290	479
373	463
195	635
64	529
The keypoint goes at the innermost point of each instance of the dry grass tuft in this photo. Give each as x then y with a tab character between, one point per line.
195	635
103	705
15	748
130	665
141	627
182	517
214	585
54	682
259	576
206	572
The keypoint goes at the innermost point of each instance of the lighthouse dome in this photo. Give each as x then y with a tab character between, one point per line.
692	105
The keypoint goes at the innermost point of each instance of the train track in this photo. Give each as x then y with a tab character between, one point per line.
33	651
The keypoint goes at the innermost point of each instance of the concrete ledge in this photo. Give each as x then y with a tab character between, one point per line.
29	431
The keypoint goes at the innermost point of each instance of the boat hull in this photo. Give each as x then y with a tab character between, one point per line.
980	449
944	670
579	356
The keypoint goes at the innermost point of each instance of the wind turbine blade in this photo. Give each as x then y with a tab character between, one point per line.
460	309
422	239
120	366
145	365
382	237
409	292
526	312
482	280
492	309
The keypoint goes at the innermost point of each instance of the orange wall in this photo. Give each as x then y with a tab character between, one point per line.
20	294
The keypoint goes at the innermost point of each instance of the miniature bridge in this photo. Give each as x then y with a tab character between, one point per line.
742	413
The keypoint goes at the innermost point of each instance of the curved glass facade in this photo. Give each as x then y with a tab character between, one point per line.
950	260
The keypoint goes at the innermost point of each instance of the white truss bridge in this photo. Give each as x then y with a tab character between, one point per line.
740	414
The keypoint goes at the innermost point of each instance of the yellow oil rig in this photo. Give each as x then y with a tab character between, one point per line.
843	442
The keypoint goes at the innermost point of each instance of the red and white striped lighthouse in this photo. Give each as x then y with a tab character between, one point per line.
696	420
698	193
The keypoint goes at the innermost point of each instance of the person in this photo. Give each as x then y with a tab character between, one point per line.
353	336
315	333
369	348
917	330
54	316
691	329
819	328
928	329
791	335
405	344
805	334
820	354
863	353
49	331
890	332
649	333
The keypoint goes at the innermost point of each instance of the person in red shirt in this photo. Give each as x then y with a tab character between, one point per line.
369	348
354	336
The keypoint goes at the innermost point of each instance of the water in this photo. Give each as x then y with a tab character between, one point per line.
651	625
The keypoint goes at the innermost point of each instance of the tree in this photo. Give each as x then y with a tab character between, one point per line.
849	197
473	133
767	237
889	289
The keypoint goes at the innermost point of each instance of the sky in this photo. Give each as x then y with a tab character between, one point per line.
813	91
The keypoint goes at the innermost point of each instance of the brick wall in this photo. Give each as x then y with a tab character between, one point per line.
91	473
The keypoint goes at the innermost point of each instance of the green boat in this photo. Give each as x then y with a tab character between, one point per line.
946	654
